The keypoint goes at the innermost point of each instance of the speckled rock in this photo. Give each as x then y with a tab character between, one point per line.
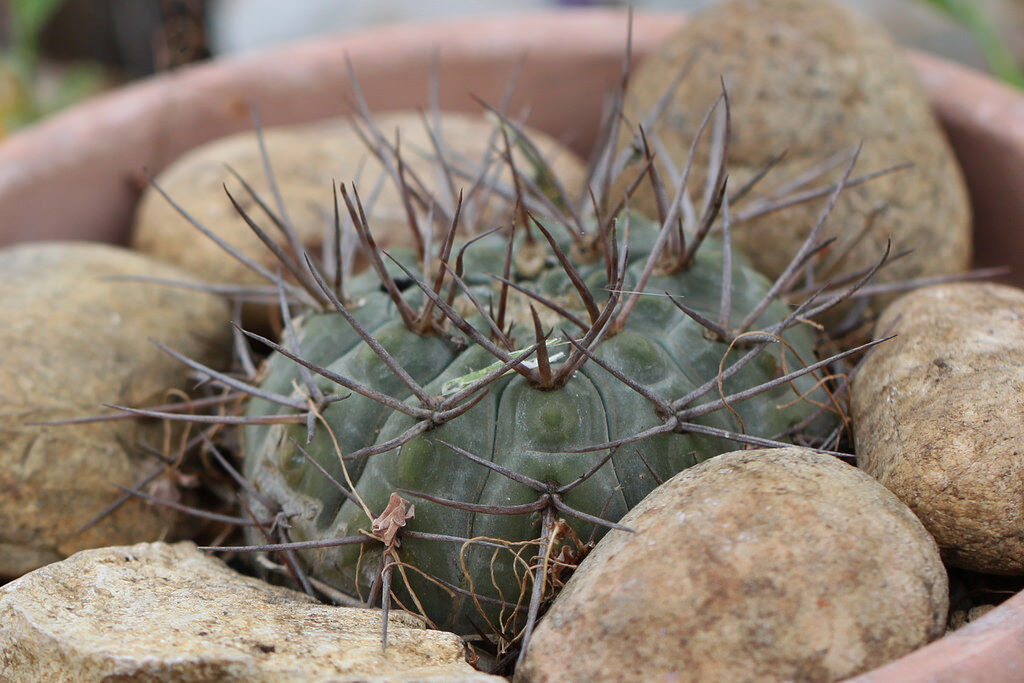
159	612
962	617
306	159
755	565
937	418
73	340
812	78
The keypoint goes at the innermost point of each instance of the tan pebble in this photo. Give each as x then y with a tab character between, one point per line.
755	565
937	418
812	79
171	613
72	340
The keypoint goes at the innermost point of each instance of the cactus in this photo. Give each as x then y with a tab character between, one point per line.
600	409
470	415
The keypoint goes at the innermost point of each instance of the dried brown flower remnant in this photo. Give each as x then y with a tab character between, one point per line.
391	521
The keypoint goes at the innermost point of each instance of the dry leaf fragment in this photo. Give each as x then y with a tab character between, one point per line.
393	519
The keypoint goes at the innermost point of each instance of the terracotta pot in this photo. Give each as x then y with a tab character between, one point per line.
78	174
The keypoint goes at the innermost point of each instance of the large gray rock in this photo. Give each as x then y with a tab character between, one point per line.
160	612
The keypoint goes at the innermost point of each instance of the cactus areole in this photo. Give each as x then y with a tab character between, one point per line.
515	411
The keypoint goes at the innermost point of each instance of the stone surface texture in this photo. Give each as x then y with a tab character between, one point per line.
754	565
812	79
305	160
937	418
72	340
159	612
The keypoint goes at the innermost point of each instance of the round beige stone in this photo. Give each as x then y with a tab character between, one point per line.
74	339
754	565
811	78
937	418
306	159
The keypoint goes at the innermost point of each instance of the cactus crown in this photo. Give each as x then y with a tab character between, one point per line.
525	383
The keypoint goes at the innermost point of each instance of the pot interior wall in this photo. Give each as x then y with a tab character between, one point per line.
994	172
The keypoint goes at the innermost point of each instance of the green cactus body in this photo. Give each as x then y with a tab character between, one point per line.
525	429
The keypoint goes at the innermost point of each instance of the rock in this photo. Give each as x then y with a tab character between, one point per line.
72	341
937	418
754	565
957	619
962	617
812	78
160	612
306	159
978	611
